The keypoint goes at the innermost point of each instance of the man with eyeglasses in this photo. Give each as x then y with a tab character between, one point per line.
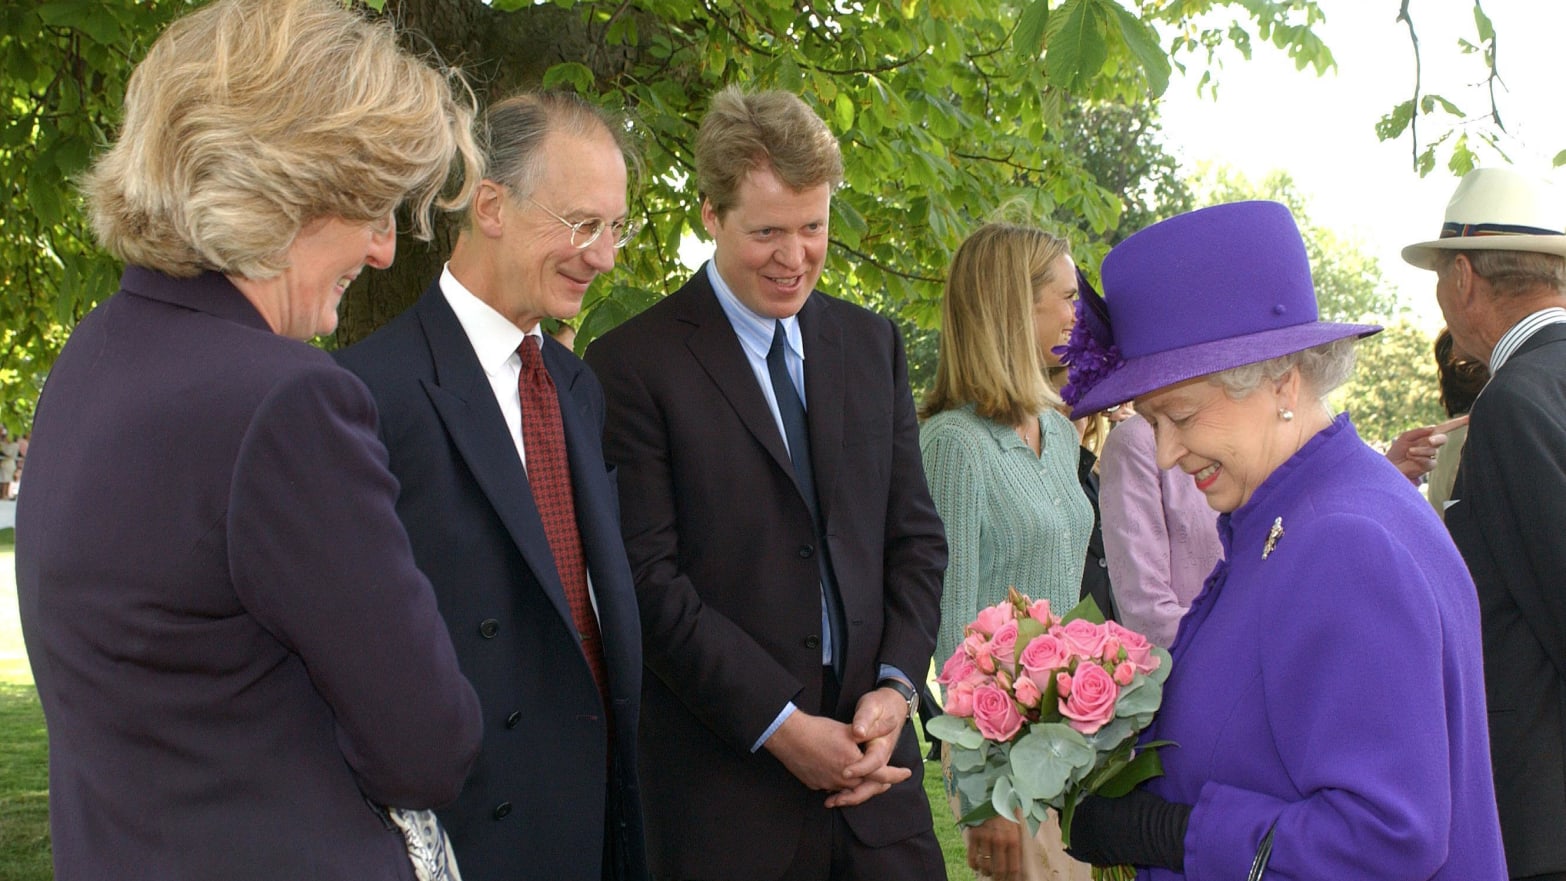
494	433
788	556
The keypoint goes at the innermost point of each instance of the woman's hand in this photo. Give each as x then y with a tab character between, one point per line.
995	848
1139	829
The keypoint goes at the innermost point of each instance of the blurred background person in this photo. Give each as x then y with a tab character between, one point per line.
1331	561
1092	432
1461	380
1500	280
1001	461
10	456
1160	535
234	651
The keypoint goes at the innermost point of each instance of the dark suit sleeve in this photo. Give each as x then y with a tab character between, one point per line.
1514	466
320	559
915	549
719	671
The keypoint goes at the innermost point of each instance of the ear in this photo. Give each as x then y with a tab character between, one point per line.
709	219
1287	389
489	208
1464	281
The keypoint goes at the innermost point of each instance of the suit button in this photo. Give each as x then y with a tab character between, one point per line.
805	551
812	642
514	719
502	810
489	628
1103	563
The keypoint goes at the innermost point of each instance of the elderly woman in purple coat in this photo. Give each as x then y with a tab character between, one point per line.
1326	706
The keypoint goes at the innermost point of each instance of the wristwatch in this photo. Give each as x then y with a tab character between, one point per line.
907	691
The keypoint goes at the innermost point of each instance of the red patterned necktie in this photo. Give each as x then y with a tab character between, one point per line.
549	475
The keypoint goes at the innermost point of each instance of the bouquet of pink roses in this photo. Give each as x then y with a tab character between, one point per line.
1041	710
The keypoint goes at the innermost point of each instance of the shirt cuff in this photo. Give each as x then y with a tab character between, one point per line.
788	710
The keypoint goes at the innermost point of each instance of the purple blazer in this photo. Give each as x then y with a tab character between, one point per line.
1334	687
234	651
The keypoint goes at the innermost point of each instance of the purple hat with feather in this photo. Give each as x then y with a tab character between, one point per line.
1196	294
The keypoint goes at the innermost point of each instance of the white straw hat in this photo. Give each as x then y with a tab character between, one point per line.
1497	209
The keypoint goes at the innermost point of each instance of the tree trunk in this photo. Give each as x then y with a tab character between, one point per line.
501	53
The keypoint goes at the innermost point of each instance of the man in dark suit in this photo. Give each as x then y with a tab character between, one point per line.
495	435
787	554
1501	283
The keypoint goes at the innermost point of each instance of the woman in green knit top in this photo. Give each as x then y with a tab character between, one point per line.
1002	467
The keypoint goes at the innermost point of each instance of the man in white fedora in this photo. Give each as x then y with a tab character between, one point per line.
1500	269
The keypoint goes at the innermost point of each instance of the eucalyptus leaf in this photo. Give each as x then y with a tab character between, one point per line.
966	760
1143	695
1047	758
975	788
1165	665
956	731
1118	731
1005	799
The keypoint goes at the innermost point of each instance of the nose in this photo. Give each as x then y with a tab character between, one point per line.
383	245
1169	450
790	252
599	256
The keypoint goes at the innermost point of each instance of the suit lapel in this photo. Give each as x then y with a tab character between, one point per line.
715	347
465	402
824	394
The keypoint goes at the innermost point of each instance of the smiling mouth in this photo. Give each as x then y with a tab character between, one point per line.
1206	477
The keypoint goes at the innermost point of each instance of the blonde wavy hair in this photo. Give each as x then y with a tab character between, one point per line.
250	118
988	356
773	129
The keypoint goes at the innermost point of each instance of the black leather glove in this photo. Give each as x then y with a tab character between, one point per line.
1139	829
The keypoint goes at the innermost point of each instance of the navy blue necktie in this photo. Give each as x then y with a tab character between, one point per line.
796	431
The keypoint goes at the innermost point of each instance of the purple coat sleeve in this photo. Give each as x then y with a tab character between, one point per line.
320	559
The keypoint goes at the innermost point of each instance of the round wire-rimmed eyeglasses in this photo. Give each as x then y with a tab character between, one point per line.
585	232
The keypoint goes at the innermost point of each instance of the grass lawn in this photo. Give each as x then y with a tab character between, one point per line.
24	786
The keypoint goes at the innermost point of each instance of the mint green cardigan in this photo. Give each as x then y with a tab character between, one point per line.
1012	519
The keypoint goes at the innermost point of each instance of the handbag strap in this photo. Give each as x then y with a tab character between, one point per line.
1263	854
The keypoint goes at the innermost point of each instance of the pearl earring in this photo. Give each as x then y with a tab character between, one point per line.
1285	414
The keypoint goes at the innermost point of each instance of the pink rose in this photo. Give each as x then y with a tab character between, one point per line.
985	662
1027	692
1082	637
1039	612
995	713
959	699
974	644
990	619
1138	650
1003	645
1043	655
1092	700
958	668
1062	683
1125	671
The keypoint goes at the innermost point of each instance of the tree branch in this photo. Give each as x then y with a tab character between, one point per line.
1413	118
866	258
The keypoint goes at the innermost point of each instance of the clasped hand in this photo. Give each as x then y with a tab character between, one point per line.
849	761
